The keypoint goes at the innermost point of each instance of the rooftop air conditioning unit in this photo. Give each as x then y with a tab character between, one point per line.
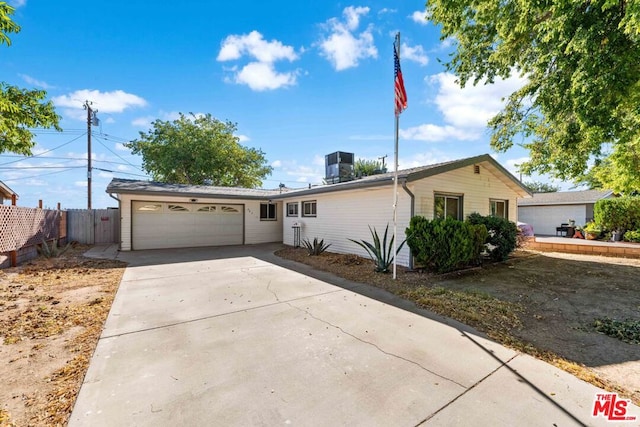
338	167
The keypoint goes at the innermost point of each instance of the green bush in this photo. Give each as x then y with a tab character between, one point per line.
502	235
627	330
445	244
621	213
632	236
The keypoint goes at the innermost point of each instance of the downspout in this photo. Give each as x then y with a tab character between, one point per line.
413	212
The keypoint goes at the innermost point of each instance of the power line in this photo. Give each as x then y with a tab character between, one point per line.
40	167
64	158
34	176
116	154
45	152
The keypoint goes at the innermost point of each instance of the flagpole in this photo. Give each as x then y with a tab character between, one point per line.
395	172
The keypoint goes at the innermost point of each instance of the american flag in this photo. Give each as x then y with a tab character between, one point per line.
401	94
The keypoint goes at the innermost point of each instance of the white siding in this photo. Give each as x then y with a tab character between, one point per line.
545	219
346	215
256	231
477	190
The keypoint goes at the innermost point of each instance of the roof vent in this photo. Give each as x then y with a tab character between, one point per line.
476	169
338	167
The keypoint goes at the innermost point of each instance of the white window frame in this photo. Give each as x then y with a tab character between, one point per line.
446	196
313	208
293	212
496	201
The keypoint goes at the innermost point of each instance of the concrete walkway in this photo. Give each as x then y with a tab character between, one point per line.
235	336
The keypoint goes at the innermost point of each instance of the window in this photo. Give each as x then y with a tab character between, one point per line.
207	208
229	209
499	208
446	206
292	209
150	207
267	211
309	208
177	208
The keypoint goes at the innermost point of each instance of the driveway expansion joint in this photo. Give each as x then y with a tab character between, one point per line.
480	381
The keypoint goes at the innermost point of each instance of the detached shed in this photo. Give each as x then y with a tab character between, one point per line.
546	211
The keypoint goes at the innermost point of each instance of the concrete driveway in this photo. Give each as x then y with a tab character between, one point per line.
236	336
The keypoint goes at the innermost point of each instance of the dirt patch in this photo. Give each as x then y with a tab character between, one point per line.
542	304
51	316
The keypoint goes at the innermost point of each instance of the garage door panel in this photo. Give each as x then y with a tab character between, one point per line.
179	225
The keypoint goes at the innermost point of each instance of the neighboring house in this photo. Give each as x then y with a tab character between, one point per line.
546	211
7	194
168	216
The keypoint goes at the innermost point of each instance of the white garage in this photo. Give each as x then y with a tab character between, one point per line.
157	215
547	211
159	225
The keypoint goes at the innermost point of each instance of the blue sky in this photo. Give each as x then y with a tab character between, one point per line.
301	80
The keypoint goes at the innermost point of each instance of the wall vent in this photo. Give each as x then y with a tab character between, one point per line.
476	169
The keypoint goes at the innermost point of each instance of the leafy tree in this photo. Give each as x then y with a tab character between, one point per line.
620	171
6	23
580	60
20	109
541	187
364	167
199	150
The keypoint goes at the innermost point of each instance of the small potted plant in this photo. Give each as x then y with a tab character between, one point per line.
592	230
572	222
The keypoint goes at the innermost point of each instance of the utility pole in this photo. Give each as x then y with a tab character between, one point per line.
382	158
91	119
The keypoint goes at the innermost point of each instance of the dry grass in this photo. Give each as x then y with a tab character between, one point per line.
51	315
498	318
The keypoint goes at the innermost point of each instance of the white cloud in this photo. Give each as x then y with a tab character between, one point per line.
436	133
415	53
145	121
276	164
18	3
472	106
243	138
387	10
420	159
342	47
120	147
465	111
108	102
420	17
254	45
260	74
80	184
35	82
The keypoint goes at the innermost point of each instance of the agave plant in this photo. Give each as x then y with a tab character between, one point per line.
380	252
315	248
52	251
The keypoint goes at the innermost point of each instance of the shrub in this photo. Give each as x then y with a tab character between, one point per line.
445	244
380	252
52	251
627	330
315	248
632	236
622	213
502	235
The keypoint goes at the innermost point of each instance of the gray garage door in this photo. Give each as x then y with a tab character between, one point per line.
159	225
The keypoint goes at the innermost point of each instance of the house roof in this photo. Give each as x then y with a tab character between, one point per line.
126	186
566	198
130	186
417	173
6	192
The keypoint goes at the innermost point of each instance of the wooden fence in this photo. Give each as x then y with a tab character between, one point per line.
95	226
22	229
